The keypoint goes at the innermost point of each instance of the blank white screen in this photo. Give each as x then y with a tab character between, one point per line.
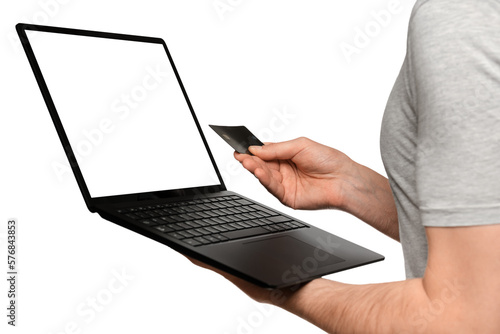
124	114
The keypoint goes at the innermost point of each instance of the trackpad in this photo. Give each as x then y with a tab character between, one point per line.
292	257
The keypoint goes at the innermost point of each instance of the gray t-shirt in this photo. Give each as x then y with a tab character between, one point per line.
440	137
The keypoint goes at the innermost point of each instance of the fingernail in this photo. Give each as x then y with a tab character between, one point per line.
255	148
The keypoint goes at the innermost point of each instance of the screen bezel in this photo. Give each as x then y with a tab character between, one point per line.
94	202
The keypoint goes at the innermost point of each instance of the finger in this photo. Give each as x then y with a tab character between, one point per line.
216	270
243	157
266	172
240	156
251	163
271	180
280	151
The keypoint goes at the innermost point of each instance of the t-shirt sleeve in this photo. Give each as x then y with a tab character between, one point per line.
454	55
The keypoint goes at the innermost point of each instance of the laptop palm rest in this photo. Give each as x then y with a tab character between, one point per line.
286	257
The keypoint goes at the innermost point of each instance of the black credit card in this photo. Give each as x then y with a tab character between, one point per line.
239	137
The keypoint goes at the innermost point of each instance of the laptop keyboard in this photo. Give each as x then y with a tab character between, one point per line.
211	220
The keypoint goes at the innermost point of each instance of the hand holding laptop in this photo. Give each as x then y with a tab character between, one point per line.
181	204
304	174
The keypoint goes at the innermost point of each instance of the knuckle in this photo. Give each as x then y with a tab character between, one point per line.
303	140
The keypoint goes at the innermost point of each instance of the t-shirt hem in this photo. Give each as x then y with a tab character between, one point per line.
455	217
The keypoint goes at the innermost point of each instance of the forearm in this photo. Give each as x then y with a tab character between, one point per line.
368	196
399	307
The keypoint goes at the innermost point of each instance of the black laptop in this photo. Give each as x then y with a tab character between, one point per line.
141	160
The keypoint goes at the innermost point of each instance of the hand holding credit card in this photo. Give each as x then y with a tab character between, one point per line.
238	137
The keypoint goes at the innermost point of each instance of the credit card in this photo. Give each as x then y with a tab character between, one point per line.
238	137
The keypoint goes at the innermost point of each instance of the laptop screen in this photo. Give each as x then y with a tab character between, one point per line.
124	114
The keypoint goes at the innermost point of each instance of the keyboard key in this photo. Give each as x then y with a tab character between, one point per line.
192	242
185	217
299	224
202	240
132	216
200	222
252	223
203	214
202	231
245	233
175	235
227	219
185	234
244	224
270	228
215	221
246	216
220	228
245	209
177	218
167	219
193	224
226	226
184	226
220	237
236	226
193	215
211	229
164	228
235	210
282	227
176	227
147	222
260	208
211	206
157	221
142	215
194	232
243	202
190	208
169	211
157	213
211	239
278	219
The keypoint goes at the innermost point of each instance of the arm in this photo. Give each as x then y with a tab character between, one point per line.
303	174
459	293
453	53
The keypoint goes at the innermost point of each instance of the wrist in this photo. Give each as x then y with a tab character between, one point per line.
368	196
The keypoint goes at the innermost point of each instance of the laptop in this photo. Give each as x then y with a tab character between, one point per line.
141	160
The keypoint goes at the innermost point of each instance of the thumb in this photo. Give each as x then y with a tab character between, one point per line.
280	151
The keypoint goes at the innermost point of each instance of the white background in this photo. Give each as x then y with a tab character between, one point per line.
275	66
